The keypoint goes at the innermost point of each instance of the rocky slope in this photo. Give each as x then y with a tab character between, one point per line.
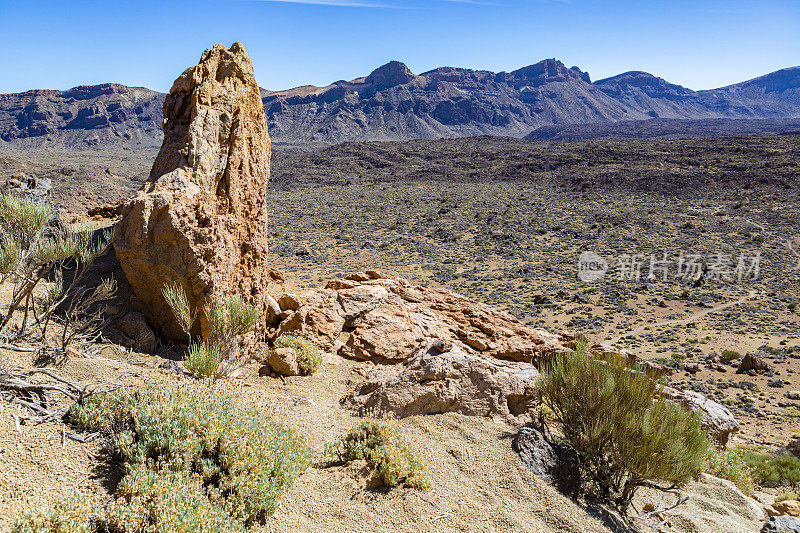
85	116
393	103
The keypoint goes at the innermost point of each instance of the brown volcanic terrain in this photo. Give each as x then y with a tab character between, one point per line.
392	103
501	220
504	220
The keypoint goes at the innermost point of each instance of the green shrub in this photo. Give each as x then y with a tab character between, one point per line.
166	501
788	496
625	437
772	469
730	355
194	461
308	355
387	453
218	356
205	360
730	464
73	514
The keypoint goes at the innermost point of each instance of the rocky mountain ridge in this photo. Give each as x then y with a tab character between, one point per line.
393	103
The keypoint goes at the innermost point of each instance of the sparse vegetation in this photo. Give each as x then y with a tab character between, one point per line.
624	436
730	355
36	248
195	461
730	464
218	356
387	453
308	355
771	469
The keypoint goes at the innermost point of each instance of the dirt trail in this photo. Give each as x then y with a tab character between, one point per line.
683	321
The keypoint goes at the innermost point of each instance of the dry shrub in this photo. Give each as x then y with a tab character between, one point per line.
34	247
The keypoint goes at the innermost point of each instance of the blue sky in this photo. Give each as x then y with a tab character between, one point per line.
700	44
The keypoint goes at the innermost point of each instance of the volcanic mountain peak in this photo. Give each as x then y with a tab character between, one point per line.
774	82
637	80
393	103
545	71
391	74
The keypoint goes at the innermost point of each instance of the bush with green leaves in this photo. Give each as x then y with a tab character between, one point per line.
309	358
33	248
218	356
194	461
730	464
625	436
730	355
240	457
385	451
73	514
772	469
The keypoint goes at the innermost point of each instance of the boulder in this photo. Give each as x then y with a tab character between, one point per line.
555	464
389	320
455	381
273	310
717	418
787	507
714	506
752	364
782	524
319	320
134	326
200	220
288	302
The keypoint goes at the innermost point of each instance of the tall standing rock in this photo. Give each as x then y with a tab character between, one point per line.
200	220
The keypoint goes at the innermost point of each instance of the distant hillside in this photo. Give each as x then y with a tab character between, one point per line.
661	127
85	116
392	103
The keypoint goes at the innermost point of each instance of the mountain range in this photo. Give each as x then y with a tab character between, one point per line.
540	101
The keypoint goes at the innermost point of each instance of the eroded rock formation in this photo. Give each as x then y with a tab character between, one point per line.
439	351
200	219
387	320
452	381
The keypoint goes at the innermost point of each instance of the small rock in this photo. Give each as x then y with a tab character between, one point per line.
284	361
692	368
794	447
273	310
782	524
441	345
289	302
